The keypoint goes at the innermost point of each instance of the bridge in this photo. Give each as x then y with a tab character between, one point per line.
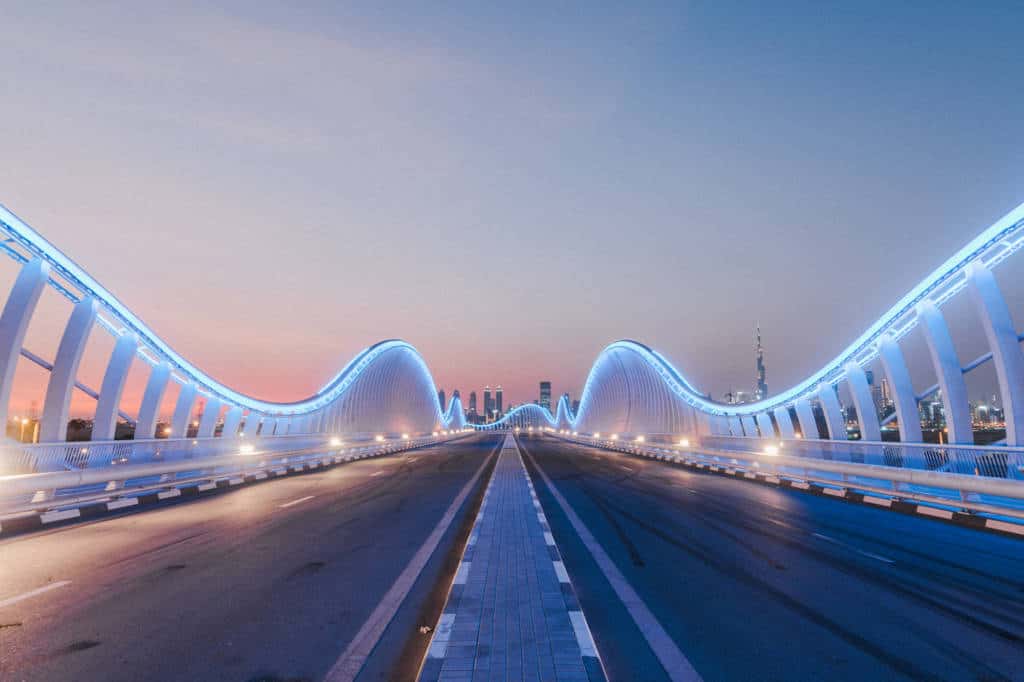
654	533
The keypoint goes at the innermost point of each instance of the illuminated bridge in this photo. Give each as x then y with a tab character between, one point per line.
365	533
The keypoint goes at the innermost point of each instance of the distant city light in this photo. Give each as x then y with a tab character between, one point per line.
335	442
246	449
378	438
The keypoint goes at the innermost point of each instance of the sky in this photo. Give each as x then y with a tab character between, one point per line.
274	188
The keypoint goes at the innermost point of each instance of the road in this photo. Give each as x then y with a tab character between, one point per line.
755	582
268	582
274	581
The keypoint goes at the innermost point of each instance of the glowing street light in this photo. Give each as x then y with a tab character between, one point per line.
379	438
684	442
335	442
771	450
246	449
640	439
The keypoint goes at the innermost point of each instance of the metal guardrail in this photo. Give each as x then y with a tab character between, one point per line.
65	476
17	458
972	460
970	492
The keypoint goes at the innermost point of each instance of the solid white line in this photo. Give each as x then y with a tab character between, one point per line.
295	502
351	660
31	593
671	658
563	575
876	557
583	636
376	473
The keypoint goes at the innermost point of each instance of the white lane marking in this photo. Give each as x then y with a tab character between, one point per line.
624	467
352	659
31	593
563	575
462	575
671	658
880	501
123	502
549	539
439	644
376	473
203	487
583	636
870	555
167	494
295	502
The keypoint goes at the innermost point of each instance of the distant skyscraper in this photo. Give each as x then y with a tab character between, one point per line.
497	401
761	392
488	405
545	394
472	402
441	399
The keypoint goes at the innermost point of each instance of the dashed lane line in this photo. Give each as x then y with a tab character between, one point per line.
32	593
295	502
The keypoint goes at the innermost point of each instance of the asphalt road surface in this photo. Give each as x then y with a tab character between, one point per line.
267	582
753	582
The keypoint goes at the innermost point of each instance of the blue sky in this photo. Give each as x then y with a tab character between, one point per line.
512	188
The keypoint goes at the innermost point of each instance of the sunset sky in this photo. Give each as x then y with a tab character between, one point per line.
274	189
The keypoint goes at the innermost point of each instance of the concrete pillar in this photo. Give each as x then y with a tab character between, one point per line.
18	309
54	424
764	423
902	389
231	420
749	428
104	424
949	373
785	422
208	422
1005	347
805	415
156	386
183	411
833	413
735	428
252	422
867	415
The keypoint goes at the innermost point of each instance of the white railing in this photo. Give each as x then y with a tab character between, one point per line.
66	476
972	460
968	491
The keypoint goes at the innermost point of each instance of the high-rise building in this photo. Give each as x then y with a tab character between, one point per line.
456	395
545	395
575	407
472	403
497	402
488	405
761	391
441	399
